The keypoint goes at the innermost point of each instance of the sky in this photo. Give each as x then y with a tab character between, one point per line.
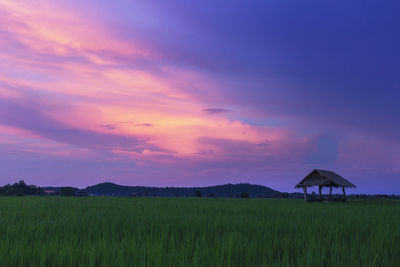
196	93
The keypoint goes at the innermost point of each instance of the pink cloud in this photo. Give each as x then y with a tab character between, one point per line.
48	29
83	94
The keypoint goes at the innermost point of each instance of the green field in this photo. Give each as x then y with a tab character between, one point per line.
57	231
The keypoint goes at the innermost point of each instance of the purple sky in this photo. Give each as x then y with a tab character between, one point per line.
186	93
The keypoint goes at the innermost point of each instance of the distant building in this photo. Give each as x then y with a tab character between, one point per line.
324	178
49	192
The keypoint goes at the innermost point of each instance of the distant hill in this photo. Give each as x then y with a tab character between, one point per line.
111	189
226	190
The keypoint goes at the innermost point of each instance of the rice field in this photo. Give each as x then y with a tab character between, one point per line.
96	231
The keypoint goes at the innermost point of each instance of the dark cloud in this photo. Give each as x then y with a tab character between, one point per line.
109	126
132	123
315	63
14	113
215	110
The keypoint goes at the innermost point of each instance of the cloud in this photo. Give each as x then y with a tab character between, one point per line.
25	115
74	90
109	126
215	110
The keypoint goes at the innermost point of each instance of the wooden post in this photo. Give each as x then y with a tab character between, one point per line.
344	193
320	195
305	193
330	193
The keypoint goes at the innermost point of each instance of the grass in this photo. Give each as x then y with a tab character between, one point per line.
56	231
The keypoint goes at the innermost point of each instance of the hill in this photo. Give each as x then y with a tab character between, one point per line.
226	190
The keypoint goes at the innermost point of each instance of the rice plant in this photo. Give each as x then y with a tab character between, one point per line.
106	231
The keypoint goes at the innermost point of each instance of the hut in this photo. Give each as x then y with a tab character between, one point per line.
324	178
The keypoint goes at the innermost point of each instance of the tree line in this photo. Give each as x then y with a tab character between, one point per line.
21	189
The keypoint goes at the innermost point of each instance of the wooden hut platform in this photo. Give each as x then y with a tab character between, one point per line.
324	178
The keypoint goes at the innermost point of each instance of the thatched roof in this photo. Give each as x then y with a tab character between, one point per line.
324	178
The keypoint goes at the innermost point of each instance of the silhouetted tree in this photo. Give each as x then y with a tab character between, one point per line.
40	191
31	190
285	195
244	195
20	189
15	189
281	195
198	193
67	191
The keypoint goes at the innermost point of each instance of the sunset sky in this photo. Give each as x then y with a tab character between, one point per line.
195	93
